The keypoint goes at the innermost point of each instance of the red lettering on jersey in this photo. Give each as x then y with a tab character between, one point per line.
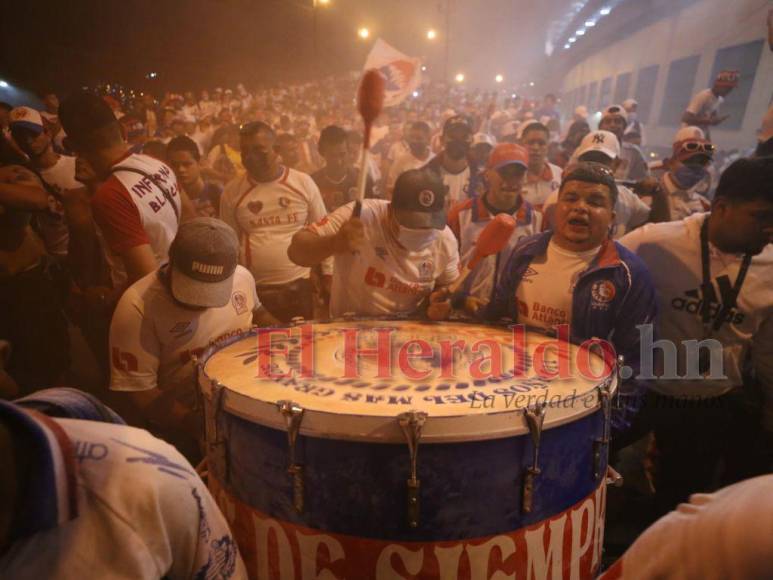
375	278
124	361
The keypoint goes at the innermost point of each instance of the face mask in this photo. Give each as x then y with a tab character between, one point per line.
255	162
415	240
457	150
688	176
418	149
632	117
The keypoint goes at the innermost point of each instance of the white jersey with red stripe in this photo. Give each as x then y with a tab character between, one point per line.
383	277
132	210
266	216
467	220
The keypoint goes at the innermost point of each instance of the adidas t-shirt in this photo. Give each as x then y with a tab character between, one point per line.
672	252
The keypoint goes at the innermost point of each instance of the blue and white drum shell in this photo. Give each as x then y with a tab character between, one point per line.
391	449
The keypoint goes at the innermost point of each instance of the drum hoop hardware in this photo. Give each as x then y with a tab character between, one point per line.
601	444
293	415
412	423
535	418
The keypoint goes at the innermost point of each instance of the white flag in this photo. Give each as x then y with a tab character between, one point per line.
402	74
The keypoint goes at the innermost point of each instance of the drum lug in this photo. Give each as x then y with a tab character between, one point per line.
293	415
412	423
535	417
217	450
601	444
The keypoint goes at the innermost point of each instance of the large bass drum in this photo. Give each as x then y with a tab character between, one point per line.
400	449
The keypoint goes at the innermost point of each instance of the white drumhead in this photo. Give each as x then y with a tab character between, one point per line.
472	381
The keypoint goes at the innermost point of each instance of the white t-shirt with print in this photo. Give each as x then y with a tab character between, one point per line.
630	211
153	338
704	104
545	292
537	191
684	203
266	216
142	513
60	177
672	252
382	277
457	184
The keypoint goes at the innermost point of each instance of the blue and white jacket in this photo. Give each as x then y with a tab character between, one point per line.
594	315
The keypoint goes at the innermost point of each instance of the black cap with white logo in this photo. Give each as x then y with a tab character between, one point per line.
419	200
203	258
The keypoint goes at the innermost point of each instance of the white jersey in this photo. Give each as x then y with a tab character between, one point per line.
266	216
402	164
115	502
726	534
53	225
545	294
630	211
683	203
153	338
536	189
672	252
704	104
383	277
467	220
133	210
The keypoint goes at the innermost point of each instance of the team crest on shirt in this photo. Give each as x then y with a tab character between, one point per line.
255	206
602	292
426	198
239	302
284	202
529	273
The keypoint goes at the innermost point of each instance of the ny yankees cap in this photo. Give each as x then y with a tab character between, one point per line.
203	258
602	141
419	200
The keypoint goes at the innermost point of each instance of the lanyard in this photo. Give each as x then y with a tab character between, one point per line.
708	288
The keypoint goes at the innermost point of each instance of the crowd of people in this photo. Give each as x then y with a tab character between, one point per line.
149	229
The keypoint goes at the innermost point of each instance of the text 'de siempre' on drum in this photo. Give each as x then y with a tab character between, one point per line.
400	449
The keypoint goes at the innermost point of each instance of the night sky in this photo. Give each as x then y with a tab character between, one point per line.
194	44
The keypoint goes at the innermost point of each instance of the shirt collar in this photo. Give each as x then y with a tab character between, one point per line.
50	497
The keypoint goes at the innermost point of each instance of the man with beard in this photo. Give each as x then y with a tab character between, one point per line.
713	272
267	206
451	164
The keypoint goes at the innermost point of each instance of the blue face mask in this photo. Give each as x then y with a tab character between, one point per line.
688	176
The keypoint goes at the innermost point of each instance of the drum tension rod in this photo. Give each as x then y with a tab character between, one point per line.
293	415
412	423
601	444
535	417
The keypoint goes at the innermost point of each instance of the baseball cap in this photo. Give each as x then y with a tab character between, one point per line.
508	154
455	122
628	103
82	113
27	118
481	138
602	141
203	258
728	78
419	200
615	110
691	141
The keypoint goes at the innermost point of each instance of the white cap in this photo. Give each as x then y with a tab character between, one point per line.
479	138
615	110
581	111
689	134
630	103
602	141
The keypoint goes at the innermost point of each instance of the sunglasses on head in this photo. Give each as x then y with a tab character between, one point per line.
697	147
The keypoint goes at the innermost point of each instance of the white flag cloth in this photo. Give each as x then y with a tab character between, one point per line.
402	74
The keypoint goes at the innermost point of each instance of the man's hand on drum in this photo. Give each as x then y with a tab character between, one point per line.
439	304
350	238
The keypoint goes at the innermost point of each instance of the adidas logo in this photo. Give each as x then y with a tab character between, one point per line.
692	303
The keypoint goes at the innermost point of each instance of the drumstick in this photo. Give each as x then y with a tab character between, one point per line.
370	101
492	239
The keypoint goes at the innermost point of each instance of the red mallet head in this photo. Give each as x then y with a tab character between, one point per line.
493	238
370	100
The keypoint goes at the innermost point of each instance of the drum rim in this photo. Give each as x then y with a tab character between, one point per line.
384	428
